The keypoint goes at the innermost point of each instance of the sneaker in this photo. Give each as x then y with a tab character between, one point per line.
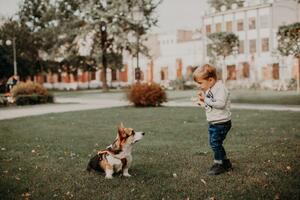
227	165
216	169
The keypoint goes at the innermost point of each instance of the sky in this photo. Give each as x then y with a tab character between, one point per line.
181	14
172	14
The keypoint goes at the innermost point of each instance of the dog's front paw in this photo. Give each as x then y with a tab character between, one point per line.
108	177
126	175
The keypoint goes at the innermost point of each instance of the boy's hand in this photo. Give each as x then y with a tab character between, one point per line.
201	96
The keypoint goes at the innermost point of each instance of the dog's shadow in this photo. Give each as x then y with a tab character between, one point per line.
137	172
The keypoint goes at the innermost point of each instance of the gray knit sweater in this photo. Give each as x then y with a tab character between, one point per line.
217	104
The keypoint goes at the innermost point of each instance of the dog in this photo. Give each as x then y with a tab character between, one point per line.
117	156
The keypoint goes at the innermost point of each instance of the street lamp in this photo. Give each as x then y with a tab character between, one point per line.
137	17
13	42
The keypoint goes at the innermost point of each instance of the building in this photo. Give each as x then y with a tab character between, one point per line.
256	25
171	56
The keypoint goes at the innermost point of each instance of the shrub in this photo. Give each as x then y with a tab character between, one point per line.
31	93
33	99
146	94
28	88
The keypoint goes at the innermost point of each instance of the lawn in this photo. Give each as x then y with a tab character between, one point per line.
247	96
45	157
237	96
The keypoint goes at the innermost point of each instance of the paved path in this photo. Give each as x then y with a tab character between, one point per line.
76	104
62	105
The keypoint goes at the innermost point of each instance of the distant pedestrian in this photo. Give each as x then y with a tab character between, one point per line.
215	98
12	81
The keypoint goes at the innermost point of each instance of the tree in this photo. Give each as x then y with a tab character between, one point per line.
26	50
103	25
222	45
57	27
112	24
289	44
217	4
39	17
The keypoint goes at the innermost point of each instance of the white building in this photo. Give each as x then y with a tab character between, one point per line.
256	25
172	56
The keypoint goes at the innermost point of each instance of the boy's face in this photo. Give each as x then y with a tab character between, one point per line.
205	84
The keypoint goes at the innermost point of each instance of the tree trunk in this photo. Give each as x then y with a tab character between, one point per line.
104	60
104	81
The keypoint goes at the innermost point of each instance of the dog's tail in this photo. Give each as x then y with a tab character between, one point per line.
94	163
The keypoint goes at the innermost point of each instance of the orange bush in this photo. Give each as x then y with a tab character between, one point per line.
144	94
30	93
28	88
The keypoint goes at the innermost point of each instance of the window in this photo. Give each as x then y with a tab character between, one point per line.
75	76
113	75
252	23
164	73
208	29
218	27
264	21
246	70
241	47
240	25
178	68
229	26
231	72
252	46
93	75
265	44
275	71
59	78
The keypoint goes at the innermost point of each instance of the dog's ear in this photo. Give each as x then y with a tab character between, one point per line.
121	125
121	131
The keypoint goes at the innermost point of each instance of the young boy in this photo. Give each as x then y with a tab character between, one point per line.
216	101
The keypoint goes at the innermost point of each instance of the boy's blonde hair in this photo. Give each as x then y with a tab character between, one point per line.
205	72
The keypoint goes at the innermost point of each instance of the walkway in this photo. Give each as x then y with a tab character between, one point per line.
64	104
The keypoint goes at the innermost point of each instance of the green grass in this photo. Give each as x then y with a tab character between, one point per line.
46	156
266	97
237	96
247	96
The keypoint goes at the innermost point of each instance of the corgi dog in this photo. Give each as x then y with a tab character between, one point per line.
117	156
